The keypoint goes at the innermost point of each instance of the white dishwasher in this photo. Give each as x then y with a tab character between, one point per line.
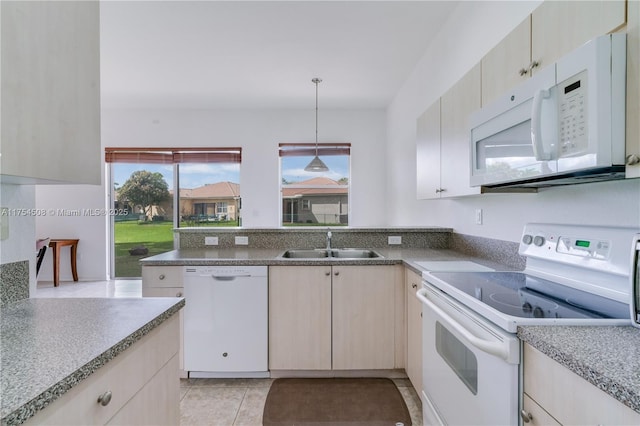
225	321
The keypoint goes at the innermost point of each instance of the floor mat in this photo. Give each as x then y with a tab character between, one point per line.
335	401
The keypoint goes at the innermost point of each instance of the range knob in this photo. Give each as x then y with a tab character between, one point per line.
539	241
538	312
527	239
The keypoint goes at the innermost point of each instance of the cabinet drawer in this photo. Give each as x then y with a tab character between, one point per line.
162	276
539	417
124	376
568	397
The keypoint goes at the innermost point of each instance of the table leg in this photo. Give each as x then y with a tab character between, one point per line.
74	271
56	265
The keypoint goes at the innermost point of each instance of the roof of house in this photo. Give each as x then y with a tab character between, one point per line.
212	190
315	186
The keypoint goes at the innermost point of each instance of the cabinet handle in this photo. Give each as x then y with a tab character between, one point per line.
440	190
105	398
336	273
632	159
526	416
532	65
327	273
414	285
179	294
161	276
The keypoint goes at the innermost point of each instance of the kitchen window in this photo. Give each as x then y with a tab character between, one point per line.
314	198
167	188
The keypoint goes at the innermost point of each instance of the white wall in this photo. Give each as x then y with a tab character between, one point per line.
457	48
258	133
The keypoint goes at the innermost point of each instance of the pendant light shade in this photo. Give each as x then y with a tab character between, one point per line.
316	165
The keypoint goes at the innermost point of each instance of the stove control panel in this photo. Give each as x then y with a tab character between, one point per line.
597	249
583	247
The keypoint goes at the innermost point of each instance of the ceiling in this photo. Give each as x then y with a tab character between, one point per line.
262	54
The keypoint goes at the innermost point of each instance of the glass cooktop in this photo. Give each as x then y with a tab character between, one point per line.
520	295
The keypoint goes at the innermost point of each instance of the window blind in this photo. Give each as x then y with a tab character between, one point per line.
309	149
173	155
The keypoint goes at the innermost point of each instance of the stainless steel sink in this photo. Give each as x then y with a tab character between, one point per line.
336	253
305	254
354	253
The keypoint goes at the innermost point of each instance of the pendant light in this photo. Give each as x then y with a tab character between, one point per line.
316	165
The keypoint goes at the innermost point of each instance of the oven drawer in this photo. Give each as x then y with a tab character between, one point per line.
568	397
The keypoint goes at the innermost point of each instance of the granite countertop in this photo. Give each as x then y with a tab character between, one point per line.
607	357
258	256
50	345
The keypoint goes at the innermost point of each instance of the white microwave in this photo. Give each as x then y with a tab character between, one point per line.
564	125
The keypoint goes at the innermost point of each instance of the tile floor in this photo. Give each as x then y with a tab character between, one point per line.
223	402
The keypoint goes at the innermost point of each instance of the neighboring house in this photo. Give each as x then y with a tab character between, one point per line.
209	203
316	200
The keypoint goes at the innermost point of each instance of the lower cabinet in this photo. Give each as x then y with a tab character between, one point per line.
142	383
555	395
166	281
413	282
333	317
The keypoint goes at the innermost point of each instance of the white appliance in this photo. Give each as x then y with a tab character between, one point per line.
635	282
564	125
226	321
574	275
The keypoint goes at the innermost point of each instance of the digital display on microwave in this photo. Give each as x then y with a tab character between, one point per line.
572	87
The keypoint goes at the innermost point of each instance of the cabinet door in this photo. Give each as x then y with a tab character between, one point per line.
558	27
171	292
456	105
413	281
363	317
568	397
300	318
50	92
501	67
428	153
633	87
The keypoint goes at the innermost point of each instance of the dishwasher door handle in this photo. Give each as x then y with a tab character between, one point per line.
229	277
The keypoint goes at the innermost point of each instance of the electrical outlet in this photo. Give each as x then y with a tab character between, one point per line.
395	240
478	216
242	241
210	241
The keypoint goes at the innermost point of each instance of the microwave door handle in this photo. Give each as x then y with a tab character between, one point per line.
536	129
492	348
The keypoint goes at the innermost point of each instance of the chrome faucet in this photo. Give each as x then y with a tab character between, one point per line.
328	240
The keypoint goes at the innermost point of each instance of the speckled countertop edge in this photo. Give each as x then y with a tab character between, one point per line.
606	357
15	410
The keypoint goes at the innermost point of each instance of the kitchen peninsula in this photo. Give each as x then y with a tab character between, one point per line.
81	361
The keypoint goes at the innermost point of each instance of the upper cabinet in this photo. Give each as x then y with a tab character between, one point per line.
50	90
507	64
554	29
442	147
558	27
633	90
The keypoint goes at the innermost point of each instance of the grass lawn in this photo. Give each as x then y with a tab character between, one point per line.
155	236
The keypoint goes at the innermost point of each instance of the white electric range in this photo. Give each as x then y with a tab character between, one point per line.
574	275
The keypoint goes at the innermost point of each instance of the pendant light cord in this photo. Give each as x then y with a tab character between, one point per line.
316	81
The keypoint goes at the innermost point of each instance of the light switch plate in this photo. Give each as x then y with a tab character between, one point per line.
210	241
242	241
395	240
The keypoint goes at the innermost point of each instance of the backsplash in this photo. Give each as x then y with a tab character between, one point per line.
499	251
505	252
14	282
436	238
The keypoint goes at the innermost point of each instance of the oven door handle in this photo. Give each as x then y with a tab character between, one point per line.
492	348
